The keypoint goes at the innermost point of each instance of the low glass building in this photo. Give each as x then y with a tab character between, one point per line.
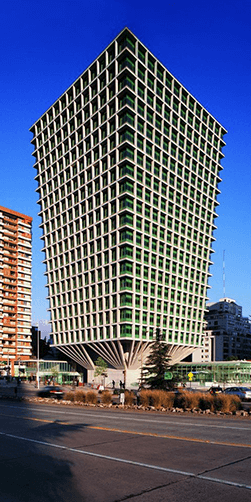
61	371
227	372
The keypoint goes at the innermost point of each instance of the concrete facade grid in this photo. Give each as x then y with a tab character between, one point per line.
128	169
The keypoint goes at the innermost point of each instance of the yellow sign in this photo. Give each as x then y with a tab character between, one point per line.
190	376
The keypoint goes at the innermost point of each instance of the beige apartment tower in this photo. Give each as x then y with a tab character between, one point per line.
128	166
15	287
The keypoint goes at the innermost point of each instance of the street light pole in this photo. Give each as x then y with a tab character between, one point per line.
37	358
8	365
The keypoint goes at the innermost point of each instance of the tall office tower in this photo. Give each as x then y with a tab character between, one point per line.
15	286
128	169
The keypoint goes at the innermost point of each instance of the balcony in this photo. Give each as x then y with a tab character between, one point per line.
9	243
10	291
8	351
9	331
10	220
8	338
10	261
9	302
10	226
9	294
9	281
10	272
11	314
8	321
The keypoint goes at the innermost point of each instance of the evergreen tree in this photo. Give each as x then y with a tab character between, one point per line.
157	363
100	367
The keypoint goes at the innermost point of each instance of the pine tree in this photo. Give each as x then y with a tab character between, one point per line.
156	365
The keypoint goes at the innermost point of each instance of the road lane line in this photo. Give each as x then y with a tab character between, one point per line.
136	433
168	436
131	419
224	482
129	462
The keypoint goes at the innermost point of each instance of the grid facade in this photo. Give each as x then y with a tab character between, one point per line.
15	286
128	169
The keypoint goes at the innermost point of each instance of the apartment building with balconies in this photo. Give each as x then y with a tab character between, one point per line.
15	286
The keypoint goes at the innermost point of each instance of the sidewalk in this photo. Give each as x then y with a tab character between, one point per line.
13	389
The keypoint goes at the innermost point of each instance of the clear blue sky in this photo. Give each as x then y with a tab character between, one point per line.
206	45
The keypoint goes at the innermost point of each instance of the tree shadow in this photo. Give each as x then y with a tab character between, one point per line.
34	464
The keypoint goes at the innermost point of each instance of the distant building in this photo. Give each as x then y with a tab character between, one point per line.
61	372
15	286
46	349
128	165
217	372
227	333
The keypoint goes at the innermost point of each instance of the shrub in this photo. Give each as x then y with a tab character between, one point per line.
167	399
106	397
235	403
226	404
69	396
91	397
206	402
80	396
144	397
129	398
187	400
161	398
157	398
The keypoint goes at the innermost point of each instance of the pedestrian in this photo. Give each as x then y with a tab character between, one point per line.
120	384
113	384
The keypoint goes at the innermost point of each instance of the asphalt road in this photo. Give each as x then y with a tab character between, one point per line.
57	453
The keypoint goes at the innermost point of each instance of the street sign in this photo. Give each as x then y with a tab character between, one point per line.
168	375
190	376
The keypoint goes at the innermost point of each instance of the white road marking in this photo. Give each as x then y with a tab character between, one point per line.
130	462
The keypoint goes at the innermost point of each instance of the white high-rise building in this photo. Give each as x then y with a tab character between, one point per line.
15	287
128	169
227	334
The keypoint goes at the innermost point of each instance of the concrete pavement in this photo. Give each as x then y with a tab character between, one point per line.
95	455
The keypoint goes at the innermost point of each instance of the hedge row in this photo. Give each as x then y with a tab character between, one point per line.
162	399
190	400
